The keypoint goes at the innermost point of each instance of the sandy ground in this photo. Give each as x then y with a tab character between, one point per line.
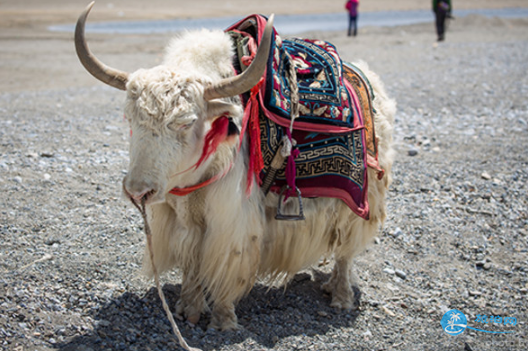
35	12
32	58
456	236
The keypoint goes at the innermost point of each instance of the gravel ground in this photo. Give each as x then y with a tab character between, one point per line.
456	236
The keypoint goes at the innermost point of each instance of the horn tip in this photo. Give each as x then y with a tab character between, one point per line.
90	5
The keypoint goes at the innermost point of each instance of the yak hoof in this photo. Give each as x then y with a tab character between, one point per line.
328	287
224	324
190	313
194	318
224	319
349	301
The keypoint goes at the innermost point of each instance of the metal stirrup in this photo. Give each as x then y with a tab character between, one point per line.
281	216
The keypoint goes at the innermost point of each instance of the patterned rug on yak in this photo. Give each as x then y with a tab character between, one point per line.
331	127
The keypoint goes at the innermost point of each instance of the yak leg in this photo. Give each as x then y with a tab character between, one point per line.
223	317
192	301
341	285
352	237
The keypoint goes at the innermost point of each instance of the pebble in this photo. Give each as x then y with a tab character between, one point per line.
412	152
397	232
400	274
485	176
367	333
387	311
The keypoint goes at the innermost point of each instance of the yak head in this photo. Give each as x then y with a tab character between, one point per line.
171	111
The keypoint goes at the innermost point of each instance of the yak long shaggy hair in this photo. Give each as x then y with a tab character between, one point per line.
222	238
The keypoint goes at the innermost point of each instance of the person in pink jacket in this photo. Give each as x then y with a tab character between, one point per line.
352	7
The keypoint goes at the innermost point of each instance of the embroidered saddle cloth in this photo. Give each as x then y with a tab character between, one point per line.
334	131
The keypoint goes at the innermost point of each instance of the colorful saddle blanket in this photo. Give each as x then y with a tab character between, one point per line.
330	130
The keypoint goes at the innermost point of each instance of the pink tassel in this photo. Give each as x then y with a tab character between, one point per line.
291	171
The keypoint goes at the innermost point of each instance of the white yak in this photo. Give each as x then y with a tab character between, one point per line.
222	238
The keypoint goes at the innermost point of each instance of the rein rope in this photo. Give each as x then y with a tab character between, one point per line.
288	149
141	209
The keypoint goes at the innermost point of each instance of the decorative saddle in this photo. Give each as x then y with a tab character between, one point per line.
331	126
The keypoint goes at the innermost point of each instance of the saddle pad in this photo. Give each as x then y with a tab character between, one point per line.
329	165
329	131
365	95
323	96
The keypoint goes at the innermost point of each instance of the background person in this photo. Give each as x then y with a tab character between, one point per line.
352	7
442	10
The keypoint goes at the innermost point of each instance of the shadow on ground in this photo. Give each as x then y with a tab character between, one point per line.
266	315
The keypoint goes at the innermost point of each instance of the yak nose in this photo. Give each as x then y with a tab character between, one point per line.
139	191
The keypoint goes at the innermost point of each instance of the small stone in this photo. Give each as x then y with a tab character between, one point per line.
387	311
373	303
412	152
401	274
474	293
481	263
485	176
104	323
367	334
397	232
17	179
389	271
322	313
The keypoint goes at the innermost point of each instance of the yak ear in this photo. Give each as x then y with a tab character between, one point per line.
217	108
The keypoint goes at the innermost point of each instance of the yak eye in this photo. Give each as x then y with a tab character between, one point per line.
187	125
182	126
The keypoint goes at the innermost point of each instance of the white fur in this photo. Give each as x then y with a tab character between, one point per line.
221	238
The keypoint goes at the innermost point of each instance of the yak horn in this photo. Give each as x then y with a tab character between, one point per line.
241	83
99	70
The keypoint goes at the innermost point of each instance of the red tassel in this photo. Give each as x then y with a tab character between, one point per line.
251	121
214	137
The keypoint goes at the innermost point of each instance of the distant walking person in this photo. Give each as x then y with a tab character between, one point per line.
352	7
442	10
